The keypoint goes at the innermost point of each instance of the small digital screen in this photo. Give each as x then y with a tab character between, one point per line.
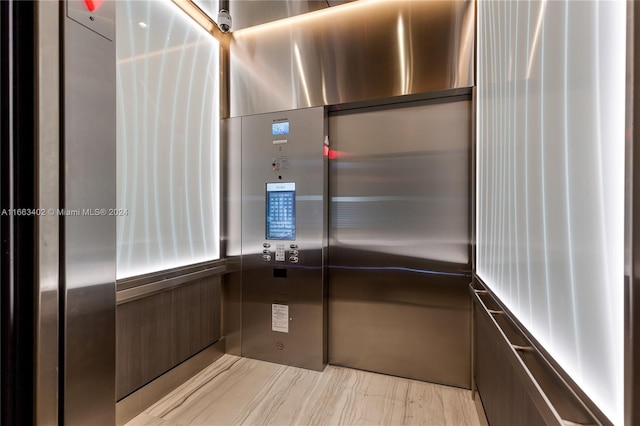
281	128
281	211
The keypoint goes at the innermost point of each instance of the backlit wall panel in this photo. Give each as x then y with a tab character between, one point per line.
168	162
550	161
210	7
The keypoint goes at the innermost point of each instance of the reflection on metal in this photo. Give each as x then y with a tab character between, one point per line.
231	139
88	261
47	226
399	240
354	52
398	322
632	222
288	291
247	13
400	181
158	286
232	172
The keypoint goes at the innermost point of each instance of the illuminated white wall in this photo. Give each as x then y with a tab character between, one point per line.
210	7
550	161
168	148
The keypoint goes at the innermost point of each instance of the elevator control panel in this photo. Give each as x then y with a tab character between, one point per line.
284	232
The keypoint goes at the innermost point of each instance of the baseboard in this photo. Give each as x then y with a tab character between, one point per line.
480	409
135	403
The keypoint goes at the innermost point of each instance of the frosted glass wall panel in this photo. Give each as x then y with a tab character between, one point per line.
550	161
168	162
210	7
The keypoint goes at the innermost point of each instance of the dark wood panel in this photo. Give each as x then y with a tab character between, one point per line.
505	400
156	333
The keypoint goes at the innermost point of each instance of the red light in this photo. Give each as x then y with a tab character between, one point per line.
325	151
333	154
93	5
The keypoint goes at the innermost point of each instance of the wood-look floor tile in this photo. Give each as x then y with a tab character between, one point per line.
145	419
242	391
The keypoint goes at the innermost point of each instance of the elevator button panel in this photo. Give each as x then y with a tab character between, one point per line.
281	253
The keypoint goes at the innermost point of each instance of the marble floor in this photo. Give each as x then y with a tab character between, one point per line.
242	391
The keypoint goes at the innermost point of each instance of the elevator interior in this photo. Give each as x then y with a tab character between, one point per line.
339	211
345	181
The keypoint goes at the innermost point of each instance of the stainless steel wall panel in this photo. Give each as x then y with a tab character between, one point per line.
89	240
400	240
231	142
232	310
400	181
632	222
232	186
401	323
48	15
247	13
354	52
302	286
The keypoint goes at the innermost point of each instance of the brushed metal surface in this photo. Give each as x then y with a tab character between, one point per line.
354	52
247	13
632	222
232	310
158	332
89	241
145	290
178	274
231	142
303	289
134	404
400	181
48	15
101	19
400	323
399	240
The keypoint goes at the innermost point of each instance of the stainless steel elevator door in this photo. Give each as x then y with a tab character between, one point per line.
400	240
